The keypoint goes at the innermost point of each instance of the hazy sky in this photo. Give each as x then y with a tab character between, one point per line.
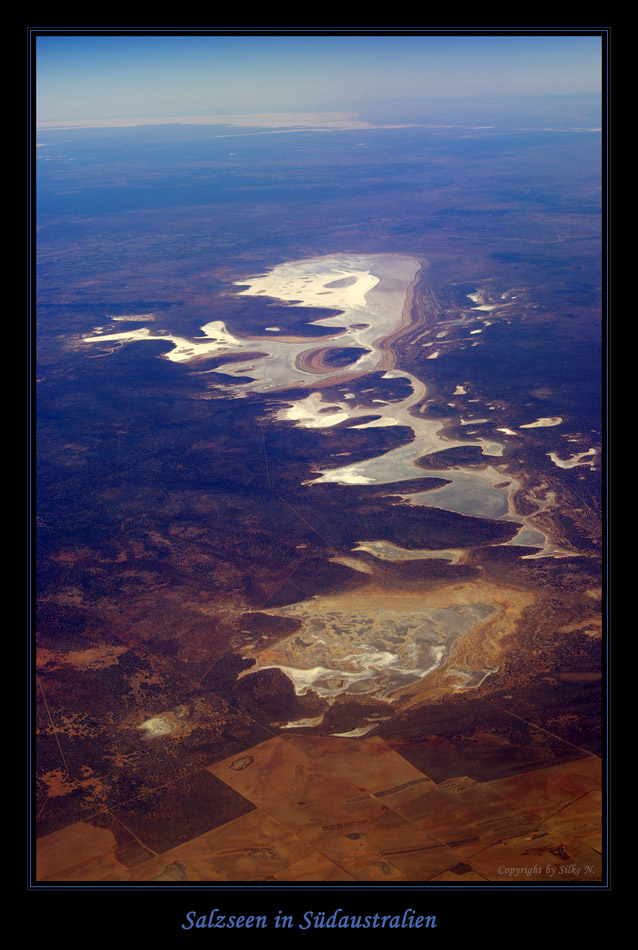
92	77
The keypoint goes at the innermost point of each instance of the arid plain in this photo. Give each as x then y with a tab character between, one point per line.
319	516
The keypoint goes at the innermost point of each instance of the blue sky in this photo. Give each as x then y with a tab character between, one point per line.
94	77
